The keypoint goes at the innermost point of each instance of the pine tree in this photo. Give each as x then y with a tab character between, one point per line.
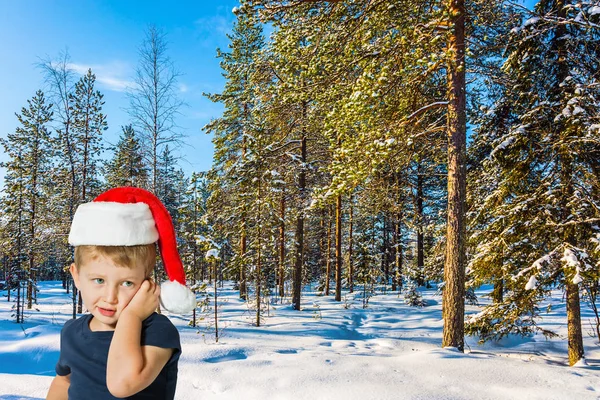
192	228
88	124
13	221
232	132
127	166
545	165
30	150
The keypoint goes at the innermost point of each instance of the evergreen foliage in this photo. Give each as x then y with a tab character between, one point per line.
127	166
26	192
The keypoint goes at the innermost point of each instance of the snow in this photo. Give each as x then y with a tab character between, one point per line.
505	143
531	284
212	253
570	258
326	351
531	21
594	10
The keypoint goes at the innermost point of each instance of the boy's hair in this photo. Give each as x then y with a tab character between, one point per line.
123	256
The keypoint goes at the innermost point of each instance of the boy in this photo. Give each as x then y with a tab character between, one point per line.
122	348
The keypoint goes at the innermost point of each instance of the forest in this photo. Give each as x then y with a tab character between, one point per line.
363	144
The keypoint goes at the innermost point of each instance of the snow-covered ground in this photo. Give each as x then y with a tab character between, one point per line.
327	351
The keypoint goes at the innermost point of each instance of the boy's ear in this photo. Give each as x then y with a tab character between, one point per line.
74	274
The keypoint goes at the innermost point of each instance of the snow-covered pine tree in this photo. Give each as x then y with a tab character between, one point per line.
544	206
170	183
412	297
127	167
232	132
88	125
13	222
192	226
89	122
30	151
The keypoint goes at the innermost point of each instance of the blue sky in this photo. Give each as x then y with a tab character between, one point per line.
105	36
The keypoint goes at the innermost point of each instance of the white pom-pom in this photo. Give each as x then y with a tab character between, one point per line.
177	298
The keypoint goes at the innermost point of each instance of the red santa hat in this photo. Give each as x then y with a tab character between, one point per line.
128	216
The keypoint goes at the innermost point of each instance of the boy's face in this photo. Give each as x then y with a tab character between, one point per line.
106	289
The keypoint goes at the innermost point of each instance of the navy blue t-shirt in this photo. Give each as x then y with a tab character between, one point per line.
84	354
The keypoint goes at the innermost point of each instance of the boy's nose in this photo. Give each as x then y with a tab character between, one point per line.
110	295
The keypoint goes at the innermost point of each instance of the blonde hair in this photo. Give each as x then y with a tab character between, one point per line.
123	256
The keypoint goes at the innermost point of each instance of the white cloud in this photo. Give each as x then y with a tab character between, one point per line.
183	88
111	76
217	23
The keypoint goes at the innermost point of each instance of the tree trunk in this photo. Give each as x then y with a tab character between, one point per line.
7	276
350	244
397	282
575	337
19	320
498	292
299	236
32	245
384	252
282	246
243	240
243	248
338	248
215	263
453	303
328	254
420	253
258	256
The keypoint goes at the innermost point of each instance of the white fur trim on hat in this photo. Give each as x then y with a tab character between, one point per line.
112	224
177	298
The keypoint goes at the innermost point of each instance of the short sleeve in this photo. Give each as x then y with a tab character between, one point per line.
62	366
159	331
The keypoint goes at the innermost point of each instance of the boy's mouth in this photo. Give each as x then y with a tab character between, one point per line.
105	312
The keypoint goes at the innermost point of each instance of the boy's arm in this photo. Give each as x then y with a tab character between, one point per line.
132	367
59	389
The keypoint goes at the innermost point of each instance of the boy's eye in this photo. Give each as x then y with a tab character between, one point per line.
99	281
127	284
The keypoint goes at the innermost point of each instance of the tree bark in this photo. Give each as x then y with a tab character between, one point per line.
498	292
215	263
350	245
575	335
299	236
243	241
282	246
338	248
420	247
258	255
453	308
328	254
32	244
385	243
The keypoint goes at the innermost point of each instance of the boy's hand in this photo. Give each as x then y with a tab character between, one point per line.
145	301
